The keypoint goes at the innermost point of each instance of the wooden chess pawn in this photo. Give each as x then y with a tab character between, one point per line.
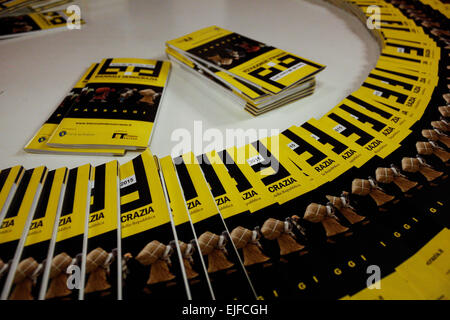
281	231
445	111
213	246
342	204
418	164
436	135
248	241
157	256
442	125
24	279
316	213
148	96
429	148
369	187
393	175
97	269
446	96
58	276
187	250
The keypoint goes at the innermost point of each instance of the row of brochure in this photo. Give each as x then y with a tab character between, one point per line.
328	209
258	76
111	109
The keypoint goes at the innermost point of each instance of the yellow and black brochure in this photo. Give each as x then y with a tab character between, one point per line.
152	269
252	189
65	277
78	94
270	163
34	6
197	276
225	193
391	287
419	45
388	129
426	271
17	221
227	273
402	60
124	96
401	82
394	61
414	74
348	151
8	6
14	26
9	180
353	130
399	99
412	50
33	263
432	258
393	115
267	67
232	207
306	148
418	39
439	5
103	273
421	91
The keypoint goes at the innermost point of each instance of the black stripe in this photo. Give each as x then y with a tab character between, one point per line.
404	75
400	58
69	196
3	176
16	202
370	107
42	205
185	179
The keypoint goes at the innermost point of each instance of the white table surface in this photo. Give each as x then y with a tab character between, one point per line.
38	70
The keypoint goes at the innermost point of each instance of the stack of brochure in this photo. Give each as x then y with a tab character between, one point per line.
258	76
112	108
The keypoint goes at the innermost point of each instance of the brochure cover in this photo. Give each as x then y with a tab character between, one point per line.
16	223
152	269
125	95
65	277
79	94
194	264
40	240
103	273
9	180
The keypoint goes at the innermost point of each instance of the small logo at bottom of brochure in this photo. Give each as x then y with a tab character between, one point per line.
117	135
62	133
120	135
41	139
